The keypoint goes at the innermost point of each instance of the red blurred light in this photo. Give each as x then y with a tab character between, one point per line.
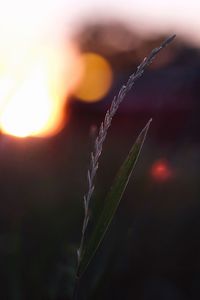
161	171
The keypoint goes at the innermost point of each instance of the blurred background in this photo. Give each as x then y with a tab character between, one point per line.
61	63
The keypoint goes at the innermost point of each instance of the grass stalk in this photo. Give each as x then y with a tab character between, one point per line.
98	146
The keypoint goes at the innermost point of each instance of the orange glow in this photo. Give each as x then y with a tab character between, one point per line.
33	93
96	79
161	171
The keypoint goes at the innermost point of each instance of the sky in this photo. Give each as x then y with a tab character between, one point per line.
28	18
36	53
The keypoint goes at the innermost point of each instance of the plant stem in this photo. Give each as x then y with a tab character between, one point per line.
76	288
98	145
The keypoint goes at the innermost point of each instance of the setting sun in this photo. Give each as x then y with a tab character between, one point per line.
32	104
38	68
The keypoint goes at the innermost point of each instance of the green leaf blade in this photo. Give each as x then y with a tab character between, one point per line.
112	201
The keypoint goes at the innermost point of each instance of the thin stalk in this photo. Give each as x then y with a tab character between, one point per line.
98	146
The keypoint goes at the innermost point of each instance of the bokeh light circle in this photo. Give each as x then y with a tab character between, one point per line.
161	171
96	79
